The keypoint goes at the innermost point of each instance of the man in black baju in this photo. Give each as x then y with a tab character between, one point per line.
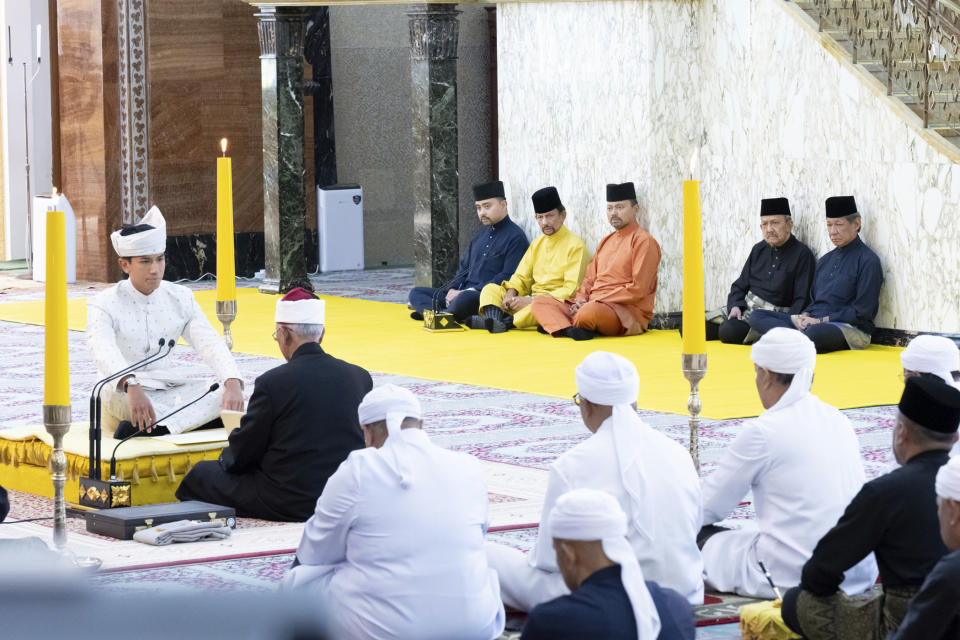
934	613
776	276
301	423
894	517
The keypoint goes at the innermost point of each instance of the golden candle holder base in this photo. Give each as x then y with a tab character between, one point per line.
694	367
56	420
226	314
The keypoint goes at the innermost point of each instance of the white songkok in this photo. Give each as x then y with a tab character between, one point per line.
589	514
788	351
392	404
609	379
300	306
948	480
932	354
143	243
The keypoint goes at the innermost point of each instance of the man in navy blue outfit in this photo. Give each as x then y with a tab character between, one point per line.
609	598
493	256
846	288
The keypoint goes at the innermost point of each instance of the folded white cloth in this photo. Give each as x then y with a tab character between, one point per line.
183	531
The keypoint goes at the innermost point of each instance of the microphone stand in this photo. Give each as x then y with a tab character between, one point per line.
136	434
107	494
94	437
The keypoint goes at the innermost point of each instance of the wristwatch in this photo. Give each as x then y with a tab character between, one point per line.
132	380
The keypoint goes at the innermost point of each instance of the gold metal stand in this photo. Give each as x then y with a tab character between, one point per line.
694	367
227	313
56	419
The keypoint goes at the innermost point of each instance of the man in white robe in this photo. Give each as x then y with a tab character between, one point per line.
395	546
650	475
801	459
937	356
127	322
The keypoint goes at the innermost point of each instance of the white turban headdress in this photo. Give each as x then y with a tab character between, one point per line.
948	480
788	351
392	404
300	306
589	514
143	243
609	379
932	354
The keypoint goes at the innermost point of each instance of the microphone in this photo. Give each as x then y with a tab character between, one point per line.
113	456
95	401
94	393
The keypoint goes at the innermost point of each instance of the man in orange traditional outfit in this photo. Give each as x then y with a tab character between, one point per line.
616	295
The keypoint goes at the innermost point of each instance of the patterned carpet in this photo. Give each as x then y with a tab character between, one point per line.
494	425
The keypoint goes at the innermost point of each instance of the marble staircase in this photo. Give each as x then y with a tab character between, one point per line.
910	46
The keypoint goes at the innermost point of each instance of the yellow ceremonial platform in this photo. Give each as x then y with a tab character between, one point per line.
154	467
381	337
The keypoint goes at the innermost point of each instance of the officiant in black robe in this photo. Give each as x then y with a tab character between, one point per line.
301	423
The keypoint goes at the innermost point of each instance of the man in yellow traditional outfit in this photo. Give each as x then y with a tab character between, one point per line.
552	266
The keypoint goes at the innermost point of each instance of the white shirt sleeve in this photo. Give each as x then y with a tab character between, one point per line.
324	539
101	338
736	471
543	555
208	343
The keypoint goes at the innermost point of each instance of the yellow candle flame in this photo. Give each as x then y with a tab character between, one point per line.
223	146
54	191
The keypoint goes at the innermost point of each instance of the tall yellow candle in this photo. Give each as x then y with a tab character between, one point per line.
56	365
694	327
226	273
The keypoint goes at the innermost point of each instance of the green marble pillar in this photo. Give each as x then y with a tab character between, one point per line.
284	199
434	33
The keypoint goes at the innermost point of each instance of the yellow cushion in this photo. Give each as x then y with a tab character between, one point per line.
152	466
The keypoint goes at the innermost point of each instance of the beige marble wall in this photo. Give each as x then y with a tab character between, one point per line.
596	92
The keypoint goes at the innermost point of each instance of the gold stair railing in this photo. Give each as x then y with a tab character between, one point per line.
915	42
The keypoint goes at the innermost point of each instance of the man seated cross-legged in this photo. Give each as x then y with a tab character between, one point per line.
493	255
801	459
650	475
125	324
300	425
552	266
776	276
608	597
934	613
893	517
394	548
617	292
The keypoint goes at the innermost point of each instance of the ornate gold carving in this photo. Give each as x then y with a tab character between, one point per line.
120	496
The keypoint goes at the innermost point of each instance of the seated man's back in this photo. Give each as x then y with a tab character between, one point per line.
665	546
395	546
298	431
300	425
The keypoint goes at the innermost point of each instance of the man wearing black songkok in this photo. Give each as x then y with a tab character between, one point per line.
894	517
776	276
493	256
845	295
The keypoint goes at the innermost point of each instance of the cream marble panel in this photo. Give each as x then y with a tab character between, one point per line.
595	92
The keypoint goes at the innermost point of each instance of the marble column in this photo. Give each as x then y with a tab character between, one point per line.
434	33
284	199
317	53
